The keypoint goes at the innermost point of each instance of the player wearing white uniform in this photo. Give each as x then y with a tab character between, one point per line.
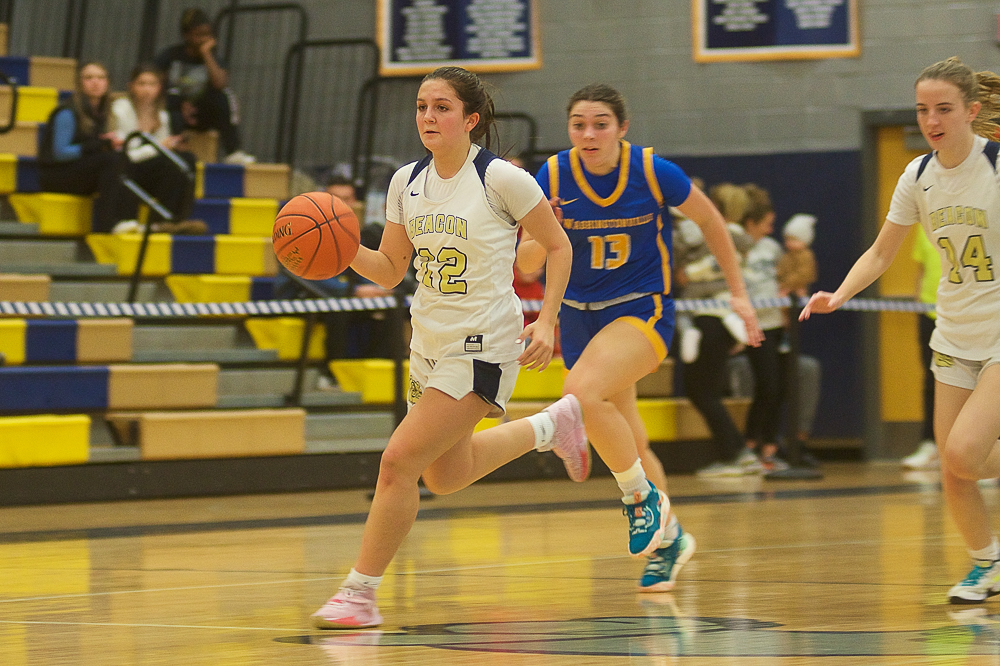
459	209
464	231
955	194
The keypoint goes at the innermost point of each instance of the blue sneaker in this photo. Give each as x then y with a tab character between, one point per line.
661	571
647	521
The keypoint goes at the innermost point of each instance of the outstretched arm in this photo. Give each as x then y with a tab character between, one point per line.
700	209
868	268
547	235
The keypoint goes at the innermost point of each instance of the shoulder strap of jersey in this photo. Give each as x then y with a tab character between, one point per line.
481	162
923	165
553	164
647	167
418	167
991	150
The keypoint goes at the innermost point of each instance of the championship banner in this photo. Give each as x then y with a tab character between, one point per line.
417	36
748	30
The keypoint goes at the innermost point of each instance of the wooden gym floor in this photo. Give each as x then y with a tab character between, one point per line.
852	569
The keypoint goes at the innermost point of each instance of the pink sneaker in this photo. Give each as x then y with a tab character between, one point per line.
570	438
348	609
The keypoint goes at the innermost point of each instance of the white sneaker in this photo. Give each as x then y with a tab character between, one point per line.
925	457
690	344
128	227
749	462
239	157
981	583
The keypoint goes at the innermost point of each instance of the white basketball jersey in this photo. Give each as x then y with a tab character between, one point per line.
960	211
464	256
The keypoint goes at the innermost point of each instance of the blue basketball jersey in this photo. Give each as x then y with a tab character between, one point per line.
617	223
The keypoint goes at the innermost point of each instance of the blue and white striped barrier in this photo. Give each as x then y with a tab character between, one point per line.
305	306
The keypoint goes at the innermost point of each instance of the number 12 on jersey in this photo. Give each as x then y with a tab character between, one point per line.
452	267
609	252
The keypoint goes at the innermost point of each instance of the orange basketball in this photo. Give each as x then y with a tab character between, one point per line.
316	236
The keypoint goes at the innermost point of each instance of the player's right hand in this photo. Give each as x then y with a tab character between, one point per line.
821	302
556	204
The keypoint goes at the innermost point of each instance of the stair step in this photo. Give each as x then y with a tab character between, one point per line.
148	337
19	229
60	270
39	252
105	454
346	445
311	399
357	425
107	292
263	381
205	356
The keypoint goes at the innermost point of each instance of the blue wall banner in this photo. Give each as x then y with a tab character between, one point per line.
417	36
746	30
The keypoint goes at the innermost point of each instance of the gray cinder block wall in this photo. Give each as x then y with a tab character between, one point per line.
643	47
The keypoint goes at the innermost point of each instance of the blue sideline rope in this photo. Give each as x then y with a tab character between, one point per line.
306	306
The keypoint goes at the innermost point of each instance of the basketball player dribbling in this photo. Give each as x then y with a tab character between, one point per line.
954	192
458	210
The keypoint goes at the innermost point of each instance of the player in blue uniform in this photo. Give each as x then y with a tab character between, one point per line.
617	318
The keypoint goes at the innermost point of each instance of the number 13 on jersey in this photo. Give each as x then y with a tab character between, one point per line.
609	252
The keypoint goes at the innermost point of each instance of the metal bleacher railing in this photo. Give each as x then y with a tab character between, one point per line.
12	121
150	201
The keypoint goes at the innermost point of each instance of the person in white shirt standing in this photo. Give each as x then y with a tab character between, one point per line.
458	210
954	192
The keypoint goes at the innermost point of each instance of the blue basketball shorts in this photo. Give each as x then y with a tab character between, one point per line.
652	315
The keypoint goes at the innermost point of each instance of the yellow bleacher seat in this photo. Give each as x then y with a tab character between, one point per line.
54	213
34	103
44	440
12	341
209	288
284	334
163	386
252	217
123	251
269	181
8	173
371	377
244	255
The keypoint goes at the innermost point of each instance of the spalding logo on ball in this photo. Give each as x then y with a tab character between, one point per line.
316	236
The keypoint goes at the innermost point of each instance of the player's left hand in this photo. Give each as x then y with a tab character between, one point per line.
539	351
741	306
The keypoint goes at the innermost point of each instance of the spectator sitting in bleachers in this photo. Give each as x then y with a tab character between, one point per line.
143	110
77	151
197	96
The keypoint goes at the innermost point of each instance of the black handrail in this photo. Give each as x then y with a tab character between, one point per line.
532	146
13	103
291	89
397	316
233	10
149	200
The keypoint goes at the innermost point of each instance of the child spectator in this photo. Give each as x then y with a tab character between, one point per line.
77	151
197	96
797	268
143	110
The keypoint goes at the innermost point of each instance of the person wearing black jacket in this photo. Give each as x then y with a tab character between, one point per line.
77	152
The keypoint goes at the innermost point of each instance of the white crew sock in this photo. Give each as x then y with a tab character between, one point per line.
991	553
359	581
633	480
545	430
